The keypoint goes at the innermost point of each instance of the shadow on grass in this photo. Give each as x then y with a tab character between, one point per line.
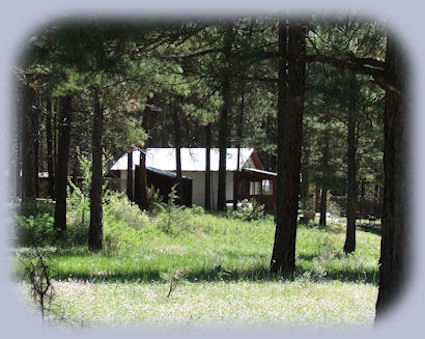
370	229
258	274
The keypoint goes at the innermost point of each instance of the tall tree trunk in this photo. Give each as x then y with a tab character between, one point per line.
142	180
305	185
19	142
38	149
290	113
28	145
240	132
322	221
208	167
350	239
61	176
56	108
178	142
75	169
223	122
317	198
325	179
130	183
49	142
395	253
96	209
35	133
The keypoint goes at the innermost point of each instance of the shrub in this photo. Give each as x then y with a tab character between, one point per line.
153	197
78	206
171	213
35	229
250	210
118	206
199	210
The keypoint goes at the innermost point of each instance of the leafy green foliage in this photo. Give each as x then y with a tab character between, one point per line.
171	217
118	206
250	210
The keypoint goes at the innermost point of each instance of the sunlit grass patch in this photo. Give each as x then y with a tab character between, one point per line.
325	304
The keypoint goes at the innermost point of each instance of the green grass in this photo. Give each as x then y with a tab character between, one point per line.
299	303
227	282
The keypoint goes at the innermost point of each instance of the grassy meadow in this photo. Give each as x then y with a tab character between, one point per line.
186	267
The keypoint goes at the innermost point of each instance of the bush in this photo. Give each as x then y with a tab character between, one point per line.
78	206
199	210
171	215
250	210
35	229
153	197
118	206
34	208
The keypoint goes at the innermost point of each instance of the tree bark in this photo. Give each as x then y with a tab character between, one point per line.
305	185
178	142
61	176
350	239
223	122
317	198
130	194
142	182
19	143
290	113
322	221
208	167
96	209
35	133
55	141
49	142
29	152
325	183
240	133
395	222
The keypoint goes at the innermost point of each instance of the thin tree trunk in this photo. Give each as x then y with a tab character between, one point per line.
19	143
28	145
178	142
305	185
61	176
208	167
350	239
240	132
56	107
130	190
96	209
142	187
49	141
35	139
290	113
322	221
325	178
395	251
142	182
317	198
223	122
75	169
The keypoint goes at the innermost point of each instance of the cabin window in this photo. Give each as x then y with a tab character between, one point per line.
244	187
266	187
255	188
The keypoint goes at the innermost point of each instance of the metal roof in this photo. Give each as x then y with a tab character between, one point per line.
192	159
166	173
254	170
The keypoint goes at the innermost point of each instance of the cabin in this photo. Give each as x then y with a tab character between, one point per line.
250	182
